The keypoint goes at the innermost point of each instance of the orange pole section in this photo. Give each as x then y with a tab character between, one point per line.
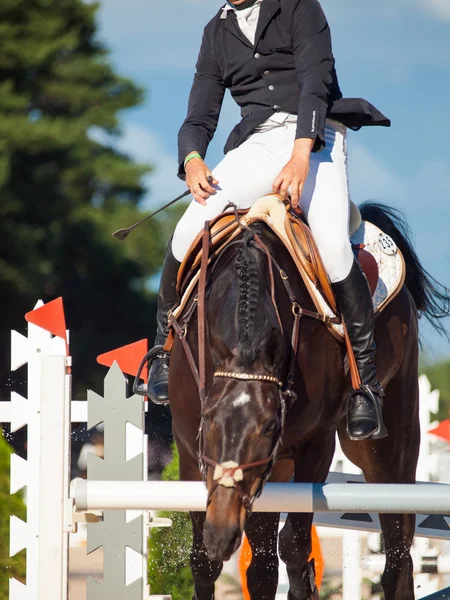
245	559
317	555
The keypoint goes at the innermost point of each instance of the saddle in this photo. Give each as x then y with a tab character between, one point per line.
377	253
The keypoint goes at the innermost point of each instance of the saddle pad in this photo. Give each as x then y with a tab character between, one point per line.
391	267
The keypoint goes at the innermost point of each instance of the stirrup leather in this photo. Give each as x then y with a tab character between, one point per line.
374	394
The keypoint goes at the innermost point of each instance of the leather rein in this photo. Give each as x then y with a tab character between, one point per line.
230	474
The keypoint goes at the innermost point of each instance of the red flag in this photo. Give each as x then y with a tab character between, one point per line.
442	430
50	317
128	358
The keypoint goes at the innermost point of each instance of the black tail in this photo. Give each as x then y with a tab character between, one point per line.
430	297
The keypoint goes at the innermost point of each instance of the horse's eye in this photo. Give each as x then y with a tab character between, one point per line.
270	428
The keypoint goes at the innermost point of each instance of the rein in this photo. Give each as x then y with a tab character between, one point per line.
230	474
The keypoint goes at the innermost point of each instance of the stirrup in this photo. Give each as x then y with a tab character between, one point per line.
374	394
141	389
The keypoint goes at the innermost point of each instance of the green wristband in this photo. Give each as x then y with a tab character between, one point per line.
191	156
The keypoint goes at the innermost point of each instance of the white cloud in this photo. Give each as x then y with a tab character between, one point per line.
348	12
157	35
439	8
370	178
145	146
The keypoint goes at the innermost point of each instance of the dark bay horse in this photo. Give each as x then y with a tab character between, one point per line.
249	334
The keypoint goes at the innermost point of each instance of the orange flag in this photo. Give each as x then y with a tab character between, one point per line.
50	317
128	358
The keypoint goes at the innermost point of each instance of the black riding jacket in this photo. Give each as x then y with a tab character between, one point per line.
290	68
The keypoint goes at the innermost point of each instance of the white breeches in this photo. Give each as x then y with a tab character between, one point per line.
248	172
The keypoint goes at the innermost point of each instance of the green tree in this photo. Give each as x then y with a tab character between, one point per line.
439	376
169	549
9	505
64	186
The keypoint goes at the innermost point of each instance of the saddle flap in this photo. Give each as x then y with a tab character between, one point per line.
308	255
221	228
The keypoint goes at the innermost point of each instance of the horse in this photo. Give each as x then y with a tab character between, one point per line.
268	413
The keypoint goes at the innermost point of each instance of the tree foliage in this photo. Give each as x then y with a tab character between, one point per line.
439	376
9	505
65	187
169	549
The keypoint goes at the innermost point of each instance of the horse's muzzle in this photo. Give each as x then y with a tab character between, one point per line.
221	542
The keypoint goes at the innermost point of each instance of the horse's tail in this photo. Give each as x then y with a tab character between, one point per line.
430	297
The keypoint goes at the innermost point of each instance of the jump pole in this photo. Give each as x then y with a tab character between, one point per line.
442	595
430	498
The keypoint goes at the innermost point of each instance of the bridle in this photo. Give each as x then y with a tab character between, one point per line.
230	474
235	472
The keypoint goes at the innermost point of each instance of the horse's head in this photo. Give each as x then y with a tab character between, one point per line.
243	416
241	430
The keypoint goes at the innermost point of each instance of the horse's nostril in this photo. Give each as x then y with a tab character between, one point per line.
221	542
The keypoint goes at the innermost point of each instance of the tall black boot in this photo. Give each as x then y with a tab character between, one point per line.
158	377
364	417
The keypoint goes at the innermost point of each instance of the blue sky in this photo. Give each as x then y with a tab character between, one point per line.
395	53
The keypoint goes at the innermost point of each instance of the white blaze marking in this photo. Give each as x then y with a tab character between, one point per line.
242	399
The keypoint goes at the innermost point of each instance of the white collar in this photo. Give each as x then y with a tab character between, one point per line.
227	8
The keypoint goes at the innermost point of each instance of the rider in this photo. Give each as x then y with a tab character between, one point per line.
275	57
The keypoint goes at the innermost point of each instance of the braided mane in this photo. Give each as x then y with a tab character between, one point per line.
240	314
251	278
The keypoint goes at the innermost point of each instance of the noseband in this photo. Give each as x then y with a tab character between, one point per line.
230	474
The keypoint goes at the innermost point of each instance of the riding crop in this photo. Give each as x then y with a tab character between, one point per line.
122	234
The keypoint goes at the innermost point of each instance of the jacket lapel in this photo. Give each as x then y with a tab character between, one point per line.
269	9
232	26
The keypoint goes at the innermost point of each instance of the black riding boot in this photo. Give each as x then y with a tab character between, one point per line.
364	419
158	377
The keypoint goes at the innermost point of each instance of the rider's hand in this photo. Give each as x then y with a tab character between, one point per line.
197	174
295	172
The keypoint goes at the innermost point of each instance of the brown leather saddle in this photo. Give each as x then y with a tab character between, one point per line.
293	231
223	229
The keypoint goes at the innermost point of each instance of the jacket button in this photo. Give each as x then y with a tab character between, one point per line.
257	55
266	72
271	88
277	107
